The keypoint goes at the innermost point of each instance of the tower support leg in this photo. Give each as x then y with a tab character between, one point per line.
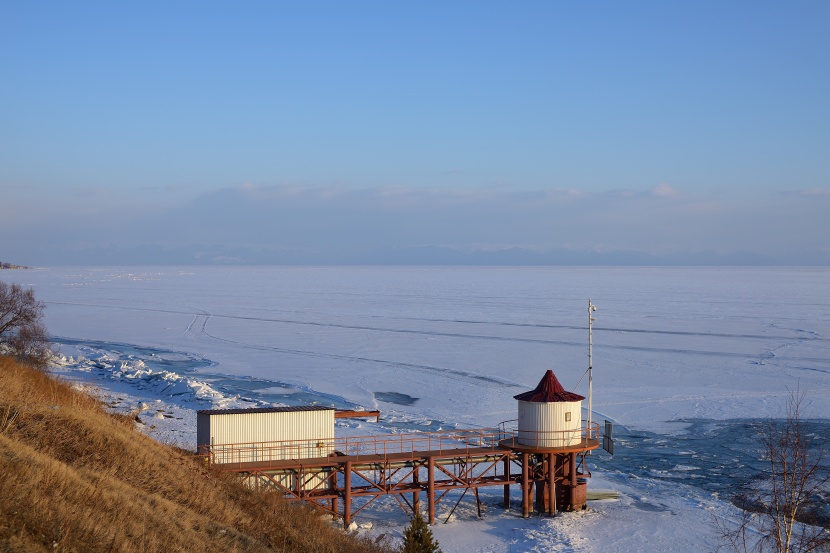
552	483
525	487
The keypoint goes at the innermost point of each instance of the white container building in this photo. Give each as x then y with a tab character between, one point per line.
267	434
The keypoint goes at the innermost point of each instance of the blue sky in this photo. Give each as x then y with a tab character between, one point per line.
367	127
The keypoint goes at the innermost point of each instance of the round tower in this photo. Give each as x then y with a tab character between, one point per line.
550	442
549	416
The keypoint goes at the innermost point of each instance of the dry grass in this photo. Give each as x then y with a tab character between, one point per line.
75	478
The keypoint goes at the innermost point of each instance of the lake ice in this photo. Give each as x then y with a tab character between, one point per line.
678	352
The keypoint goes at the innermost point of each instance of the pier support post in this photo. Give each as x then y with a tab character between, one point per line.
431	488
507	485
347	495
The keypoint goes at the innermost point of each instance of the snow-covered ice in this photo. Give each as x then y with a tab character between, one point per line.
682	357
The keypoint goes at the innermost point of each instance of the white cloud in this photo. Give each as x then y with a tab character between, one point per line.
663	190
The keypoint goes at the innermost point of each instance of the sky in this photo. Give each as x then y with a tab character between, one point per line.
428	132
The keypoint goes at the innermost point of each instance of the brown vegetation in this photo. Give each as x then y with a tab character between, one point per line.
76	478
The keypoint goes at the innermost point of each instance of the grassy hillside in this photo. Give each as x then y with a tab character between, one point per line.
76	478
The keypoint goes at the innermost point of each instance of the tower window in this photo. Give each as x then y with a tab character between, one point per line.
568	416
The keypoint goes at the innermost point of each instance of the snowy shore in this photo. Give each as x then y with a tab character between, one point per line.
644	515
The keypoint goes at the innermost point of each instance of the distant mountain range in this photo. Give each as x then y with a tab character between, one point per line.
425	255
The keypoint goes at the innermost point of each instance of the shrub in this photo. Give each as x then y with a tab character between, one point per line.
418	538
22	333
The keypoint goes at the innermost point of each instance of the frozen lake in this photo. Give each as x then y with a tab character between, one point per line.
453	345
684	358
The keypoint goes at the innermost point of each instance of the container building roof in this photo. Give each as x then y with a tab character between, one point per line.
549	390
264	410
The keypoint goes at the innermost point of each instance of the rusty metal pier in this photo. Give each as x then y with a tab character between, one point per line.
347	474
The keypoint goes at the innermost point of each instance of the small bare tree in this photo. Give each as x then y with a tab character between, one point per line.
782	509
22	333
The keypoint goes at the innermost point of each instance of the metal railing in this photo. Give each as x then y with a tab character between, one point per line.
460	442
587	433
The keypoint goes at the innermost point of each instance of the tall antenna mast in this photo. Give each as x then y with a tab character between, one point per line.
591	309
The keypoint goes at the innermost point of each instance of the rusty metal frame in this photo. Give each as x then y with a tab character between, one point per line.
371	467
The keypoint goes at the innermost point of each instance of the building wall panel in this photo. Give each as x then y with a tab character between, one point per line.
240	436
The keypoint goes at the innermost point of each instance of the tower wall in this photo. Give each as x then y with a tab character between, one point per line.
547	424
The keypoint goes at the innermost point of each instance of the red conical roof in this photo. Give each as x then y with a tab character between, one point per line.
549	390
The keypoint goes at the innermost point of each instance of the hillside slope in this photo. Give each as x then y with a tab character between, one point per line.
76	478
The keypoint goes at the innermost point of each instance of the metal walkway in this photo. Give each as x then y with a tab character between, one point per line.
344	475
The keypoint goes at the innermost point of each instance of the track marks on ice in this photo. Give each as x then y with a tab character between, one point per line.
197	326
476	378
